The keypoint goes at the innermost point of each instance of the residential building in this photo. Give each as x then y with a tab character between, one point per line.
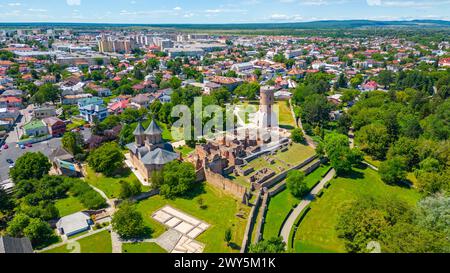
15	245
141	101
44	112
92	112
73	224
56	127
35	128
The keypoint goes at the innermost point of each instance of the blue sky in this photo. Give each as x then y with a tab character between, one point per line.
218	11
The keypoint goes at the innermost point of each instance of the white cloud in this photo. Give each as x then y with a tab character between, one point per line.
37	10
14	4
224	10
73	2
284	17
177	8
407	3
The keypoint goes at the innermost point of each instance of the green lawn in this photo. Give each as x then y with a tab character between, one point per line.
184	150
317	231
142	248
286	120
313	178
281	204
68	206
296	154
278	208
97	243
109	185
220	214
372	161
75	124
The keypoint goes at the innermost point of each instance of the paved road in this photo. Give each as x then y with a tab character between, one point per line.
289	224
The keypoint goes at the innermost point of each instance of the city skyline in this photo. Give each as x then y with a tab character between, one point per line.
219	12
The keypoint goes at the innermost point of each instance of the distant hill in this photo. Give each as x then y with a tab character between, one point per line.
329	24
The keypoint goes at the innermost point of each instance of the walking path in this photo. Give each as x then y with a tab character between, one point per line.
115	238
309	140
293	113
136	173
289	224
116	242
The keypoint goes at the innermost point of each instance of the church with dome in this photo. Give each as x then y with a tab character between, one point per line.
149	152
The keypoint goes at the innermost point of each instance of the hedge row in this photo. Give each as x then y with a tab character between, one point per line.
87	195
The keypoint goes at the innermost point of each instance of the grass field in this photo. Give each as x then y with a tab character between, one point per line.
278	209
68	206
296	154
75	124
317	233
142	248
110	185
97	243
281	204
220	214
184	150
286	120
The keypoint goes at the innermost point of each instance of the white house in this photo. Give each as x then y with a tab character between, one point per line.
74	224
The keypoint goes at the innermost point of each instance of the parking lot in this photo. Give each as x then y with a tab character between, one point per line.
13	152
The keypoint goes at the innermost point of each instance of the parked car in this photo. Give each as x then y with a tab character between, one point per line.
22	146
29	145
5	147
10	161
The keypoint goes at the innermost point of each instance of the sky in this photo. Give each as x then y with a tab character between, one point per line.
218	11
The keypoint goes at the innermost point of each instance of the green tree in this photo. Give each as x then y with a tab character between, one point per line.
272	245
385	78
73	142
410	238
393	171
316	109
6	203
39	232
128	190
339	153
406	148
128	222
228	236
29	166
374	140
361	222
297	136
107	159
178	179
18	224
46	93
296	184
247	90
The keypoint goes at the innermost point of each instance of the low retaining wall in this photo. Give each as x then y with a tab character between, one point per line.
281	176
34	140
226	185
260	223
250	223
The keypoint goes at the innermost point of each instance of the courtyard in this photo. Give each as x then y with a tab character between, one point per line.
217	210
